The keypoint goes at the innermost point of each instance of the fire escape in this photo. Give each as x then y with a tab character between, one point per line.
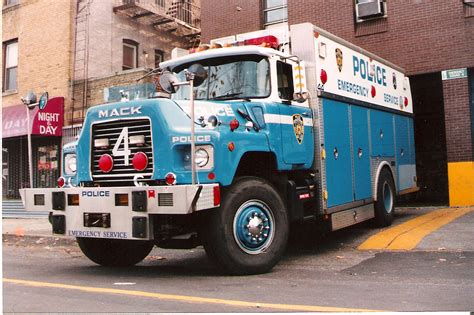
179	17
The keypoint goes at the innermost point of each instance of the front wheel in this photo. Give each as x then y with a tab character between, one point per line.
249	232
114	253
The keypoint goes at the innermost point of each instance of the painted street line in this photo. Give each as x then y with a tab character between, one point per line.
408	235
184	298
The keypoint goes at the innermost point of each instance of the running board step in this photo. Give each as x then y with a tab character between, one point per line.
353	216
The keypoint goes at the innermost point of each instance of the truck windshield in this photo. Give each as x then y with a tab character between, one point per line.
229	78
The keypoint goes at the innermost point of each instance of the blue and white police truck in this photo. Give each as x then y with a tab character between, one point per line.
271	128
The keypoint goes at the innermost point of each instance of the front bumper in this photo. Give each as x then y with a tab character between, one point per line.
117	212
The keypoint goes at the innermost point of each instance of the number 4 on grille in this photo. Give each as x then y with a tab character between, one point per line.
126	151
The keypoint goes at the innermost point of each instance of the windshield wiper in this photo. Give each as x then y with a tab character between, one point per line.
247	116
229	96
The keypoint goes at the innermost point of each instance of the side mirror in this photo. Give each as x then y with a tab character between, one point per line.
167	81
300	97
200	74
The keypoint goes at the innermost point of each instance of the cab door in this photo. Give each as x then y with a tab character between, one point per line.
296	120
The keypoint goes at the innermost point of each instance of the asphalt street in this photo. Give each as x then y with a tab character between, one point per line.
317	273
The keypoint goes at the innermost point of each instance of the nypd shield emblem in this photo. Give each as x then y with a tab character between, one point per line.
298	127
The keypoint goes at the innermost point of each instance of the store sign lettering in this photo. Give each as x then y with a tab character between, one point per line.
49	121
46	121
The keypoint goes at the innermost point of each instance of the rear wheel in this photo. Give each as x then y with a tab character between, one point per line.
385	204
249	232
116	253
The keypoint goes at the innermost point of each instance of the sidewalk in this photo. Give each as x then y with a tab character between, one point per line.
26	231
37	227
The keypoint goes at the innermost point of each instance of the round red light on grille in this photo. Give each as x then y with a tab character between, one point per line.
323	76
140	161
234	124
106	163
211	176
170	179
61	182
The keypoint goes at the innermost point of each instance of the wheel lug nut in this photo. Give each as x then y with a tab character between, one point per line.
267	228
265	235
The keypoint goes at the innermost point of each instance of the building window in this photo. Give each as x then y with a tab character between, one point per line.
370	9
275	11
158	57
10	71
130	54
468	8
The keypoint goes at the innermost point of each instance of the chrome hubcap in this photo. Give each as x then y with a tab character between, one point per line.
253	227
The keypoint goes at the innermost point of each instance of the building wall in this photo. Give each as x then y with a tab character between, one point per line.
421	36
459	146
222	18
97	86
106	32
44	32
99	54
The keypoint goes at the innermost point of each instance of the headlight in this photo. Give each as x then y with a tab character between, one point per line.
201	158
70	165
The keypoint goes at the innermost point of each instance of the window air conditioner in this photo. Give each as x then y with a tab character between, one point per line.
469	3
370	9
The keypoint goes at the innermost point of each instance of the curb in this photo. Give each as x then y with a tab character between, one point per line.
37	240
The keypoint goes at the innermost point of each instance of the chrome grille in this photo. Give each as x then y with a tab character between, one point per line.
121	174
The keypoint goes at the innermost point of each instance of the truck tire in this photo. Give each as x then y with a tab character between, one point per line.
114	253
249	232
385	204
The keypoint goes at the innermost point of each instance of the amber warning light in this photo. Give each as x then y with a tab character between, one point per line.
268	41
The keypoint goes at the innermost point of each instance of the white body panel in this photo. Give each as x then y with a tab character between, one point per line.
353	72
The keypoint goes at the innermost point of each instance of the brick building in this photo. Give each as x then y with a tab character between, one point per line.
83	53
116	42
37	49
426	38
